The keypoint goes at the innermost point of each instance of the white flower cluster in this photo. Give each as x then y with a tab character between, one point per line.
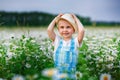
102	49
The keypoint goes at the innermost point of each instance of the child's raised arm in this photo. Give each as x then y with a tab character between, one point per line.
80	29
50	29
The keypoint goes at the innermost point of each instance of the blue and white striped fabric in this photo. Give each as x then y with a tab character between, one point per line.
65	58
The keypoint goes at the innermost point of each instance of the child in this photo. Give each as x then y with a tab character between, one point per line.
65	45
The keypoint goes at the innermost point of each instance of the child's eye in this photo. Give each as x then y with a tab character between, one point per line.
61	27
68	27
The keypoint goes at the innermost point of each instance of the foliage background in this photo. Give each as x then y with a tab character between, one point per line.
42	19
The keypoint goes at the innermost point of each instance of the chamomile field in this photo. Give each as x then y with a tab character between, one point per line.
27	54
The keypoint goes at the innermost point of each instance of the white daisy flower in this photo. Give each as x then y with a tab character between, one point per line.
49	72
18	77
105	76
78	75
28	65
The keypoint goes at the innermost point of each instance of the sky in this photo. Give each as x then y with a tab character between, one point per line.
97	10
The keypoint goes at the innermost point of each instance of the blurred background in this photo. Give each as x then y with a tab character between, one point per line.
39	13
32	17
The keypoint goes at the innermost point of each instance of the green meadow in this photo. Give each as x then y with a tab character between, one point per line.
25	52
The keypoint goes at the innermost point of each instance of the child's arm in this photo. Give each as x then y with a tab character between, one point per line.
80	29
50	29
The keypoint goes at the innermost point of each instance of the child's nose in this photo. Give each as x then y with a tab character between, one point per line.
65	29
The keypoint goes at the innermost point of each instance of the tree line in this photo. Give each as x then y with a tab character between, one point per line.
40	19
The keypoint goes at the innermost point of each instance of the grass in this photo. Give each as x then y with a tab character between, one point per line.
28	56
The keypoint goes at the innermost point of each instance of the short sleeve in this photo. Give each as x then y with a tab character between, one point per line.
77	43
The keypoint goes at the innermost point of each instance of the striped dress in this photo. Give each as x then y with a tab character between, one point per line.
65	58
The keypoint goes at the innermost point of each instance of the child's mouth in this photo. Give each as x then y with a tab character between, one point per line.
65	33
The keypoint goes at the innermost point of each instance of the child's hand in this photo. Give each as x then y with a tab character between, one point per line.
58	17
77	21
75	18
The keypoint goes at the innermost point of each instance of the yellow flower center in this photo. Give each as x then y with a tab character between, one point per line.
105	78
50	73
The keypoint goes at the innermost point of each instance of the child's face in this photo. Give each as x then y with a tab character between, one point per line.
65	29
